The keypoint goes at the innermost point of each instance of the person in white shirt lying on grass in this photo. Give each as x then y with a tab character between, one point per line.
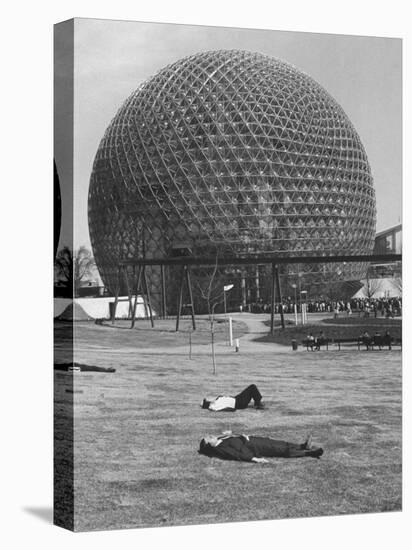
239	401
250	448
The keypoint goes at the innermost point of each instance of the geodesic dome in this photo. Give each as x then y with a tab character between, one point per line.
230	151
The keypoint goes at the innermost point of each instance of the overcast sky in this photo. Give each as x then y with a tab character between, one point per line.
362	73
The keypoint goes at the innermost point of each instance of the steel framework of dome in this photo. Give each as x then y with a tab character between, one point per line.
234	152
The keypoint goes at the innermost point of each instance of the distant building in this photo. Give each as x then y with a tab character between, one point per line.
388	241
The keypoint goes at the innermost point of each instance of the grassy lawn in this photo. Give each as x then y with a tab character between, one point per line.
137	431
119	336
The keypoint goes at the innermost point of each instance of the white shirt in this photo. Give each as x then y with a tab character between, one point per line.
222	402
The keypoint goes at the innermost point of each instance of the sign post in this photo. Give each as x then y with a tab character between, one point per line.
230	332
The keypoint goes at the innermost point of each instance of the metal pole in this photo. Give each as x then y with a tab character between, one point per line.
282	317
179	303
224	300
272	301
116	296
295	308
129	295
257	283
230	332
139	276
146	309
149	301
163	284
243	288
192	306
116	299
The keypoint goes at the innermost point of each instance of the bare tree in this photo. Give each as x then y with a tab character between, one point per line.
213	294
371	287
73	269
397	283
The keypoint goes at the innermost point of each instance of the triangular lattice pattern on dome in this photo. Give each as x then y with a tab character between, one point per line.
230	150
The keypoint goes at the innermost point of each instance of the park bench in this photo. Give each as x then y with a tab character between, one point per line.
396	342
372	343
310	344
339	341
316	344
383	342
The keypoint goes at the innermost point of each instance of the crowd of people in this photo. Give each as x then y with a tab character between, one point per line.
384	307
377	307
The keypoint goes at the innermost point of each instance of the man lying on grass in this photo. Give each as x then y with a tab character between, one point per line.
250	448
240	401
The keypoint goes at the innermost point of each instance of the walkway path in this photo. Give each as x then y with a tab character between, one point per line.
257	326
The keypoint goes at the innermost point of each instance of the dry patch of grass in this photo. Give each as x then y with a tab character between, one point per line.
137	432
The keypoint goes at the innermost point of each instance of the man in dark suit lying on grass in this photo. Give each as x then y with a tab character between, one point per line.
239	401
250	448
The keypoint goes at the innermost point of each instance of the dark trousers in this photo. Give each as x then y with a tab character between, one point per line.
244	397
267	447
